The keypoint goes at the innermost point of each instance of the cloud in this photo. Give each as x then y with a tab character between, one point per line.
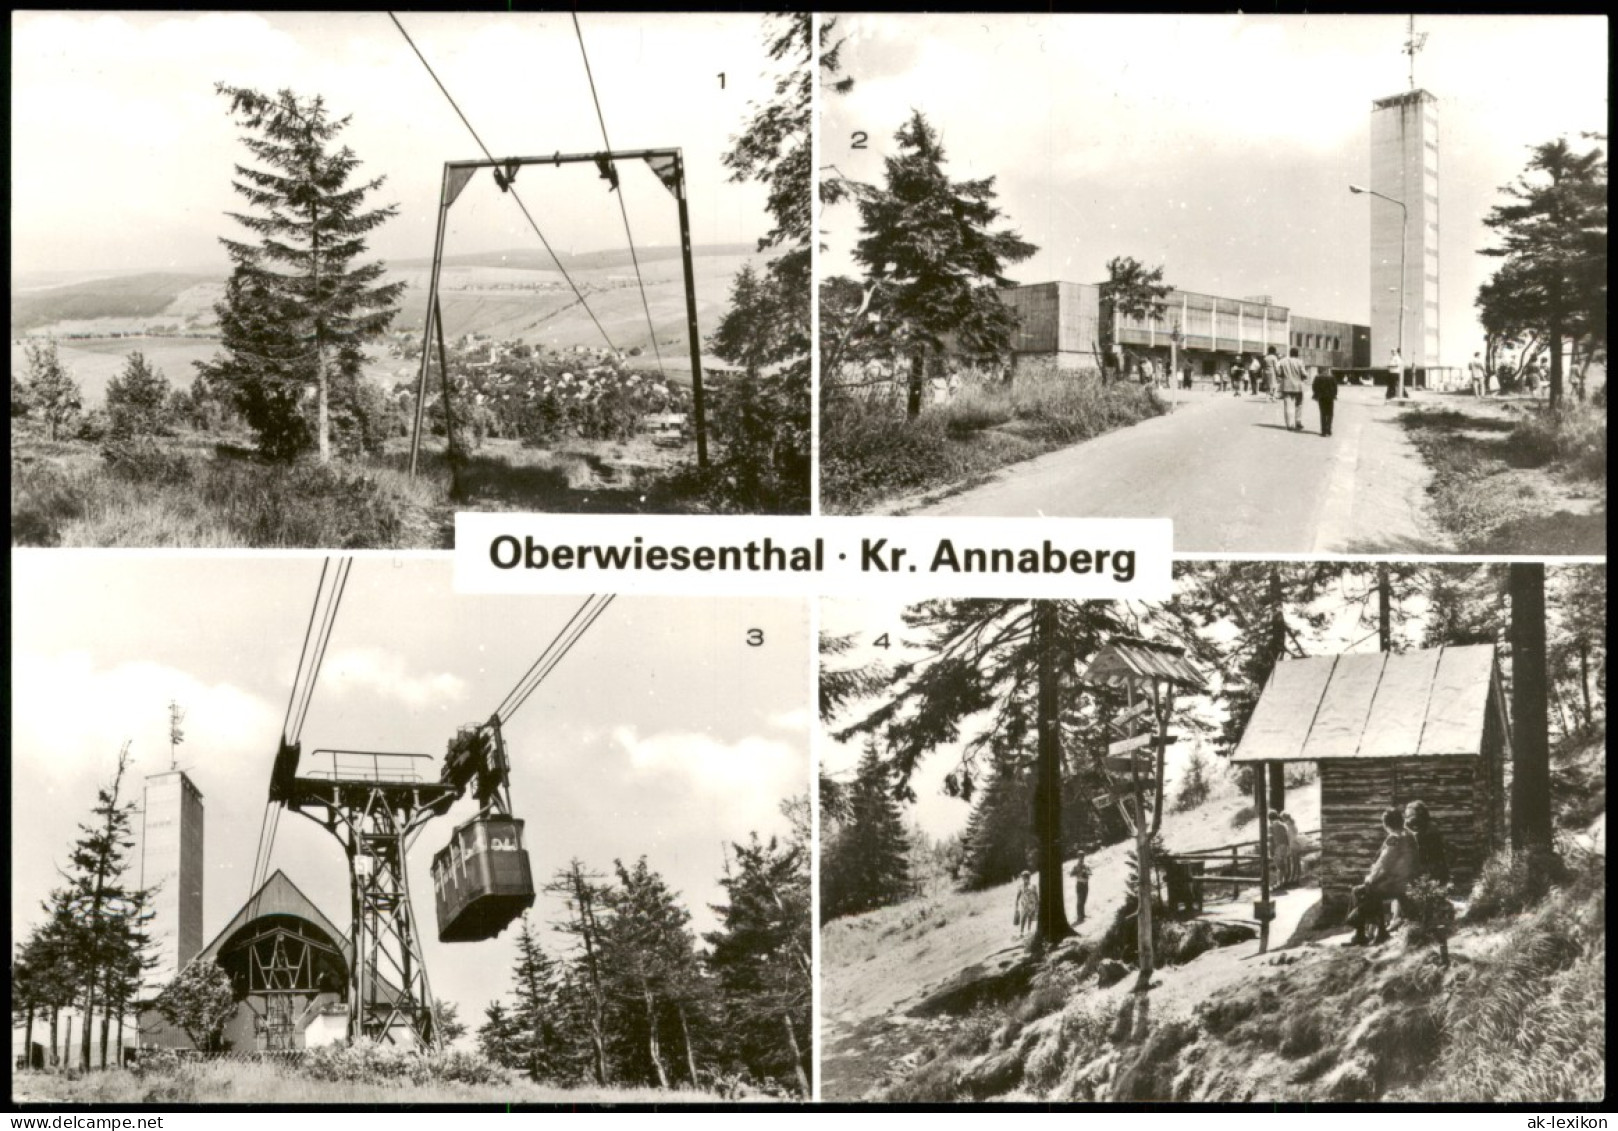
81	713
795	720
752	767
384	674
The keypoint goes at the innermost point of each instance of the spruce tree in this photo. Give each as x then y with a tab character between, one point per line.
1011	667
760	957
866	864
537	1040
106	917
998	837
584	983
929	244
651	974
762	421
298	308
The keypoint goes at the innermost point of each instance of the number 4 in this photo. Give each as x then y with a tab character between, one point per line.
882	642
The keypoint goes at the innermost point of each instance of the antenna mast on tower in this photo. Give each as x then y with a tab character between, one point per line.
176	735
1413	44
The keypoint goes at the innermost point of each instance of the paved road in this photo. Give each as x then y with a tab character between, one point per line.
1234	480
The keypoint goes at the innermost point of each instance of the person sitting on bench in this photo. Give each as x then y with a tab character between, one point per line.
1395	867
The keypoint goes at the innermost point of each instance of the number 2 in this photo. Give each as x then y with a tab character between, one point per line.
858	139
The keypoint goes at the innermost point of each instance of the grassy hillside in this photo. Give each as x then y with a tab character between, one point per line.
937	1000
120	297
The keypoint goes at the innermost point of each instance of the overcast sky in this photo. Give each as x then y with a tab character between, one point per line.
661	733
1218	146
121	152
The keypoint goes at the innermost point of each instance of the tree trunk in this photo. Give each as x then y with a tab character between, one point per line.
797	1054
1052	923
1530	740
121	1038
1556	354
323	380
67	1042
581	893
690	1053
653	1047
28	1039
89	1017
1584	683
918	381
1384	609
106	1028
55	1048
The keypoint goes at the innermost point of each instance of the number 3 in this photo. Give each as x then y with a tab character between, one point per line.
755	637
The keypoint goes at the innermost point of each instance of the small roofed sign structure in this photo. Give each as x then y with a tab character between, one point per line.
1128	661
1386	729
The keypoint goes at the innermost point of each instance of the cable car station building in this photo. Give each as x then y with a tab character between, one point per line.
1062	322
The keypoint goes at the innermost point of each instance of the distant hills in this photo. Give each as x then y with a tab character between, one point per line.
41	302
536	259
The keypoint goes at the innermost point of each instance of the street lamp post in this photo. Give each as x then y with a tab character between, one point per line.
1404	246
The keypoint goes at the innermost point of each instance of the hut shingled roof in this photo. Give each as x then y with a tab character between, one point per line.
1425	704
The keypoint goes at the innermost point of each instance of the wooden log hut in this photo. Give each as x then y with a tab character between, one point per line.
1386	729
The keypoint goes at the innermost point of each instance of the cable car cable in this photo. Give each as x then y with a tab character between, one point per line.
623	208
566	648
545	652
511	188
548	659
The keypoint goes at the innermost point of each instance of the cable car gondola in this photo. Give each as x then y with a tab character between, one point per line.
482	879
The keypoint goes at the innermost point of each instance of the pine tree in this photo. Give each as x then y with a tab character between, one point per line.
866	864
650	970
1014	666
537	1040
107	918
298	310
51	391
928	242
762	421
137	399
760	957
1553	240
1131	291
998	836
584	986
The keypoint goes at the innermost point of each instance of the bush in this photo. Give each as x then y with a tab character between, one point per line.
1571	436
43	501
1504	887
140	460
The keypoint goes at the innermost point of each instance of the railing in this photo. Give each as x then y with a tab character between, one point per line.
1231	860
369	766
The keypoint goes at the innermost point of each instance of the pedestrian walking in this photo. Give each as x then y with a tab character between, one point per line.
1272	374
1324	391
1291	377
1254	368
1479	374
1081	886
1396	374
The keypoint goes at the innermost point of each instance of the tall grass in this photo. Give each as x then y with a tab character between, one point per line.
870	451
169	499
1529	1026
236	1082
